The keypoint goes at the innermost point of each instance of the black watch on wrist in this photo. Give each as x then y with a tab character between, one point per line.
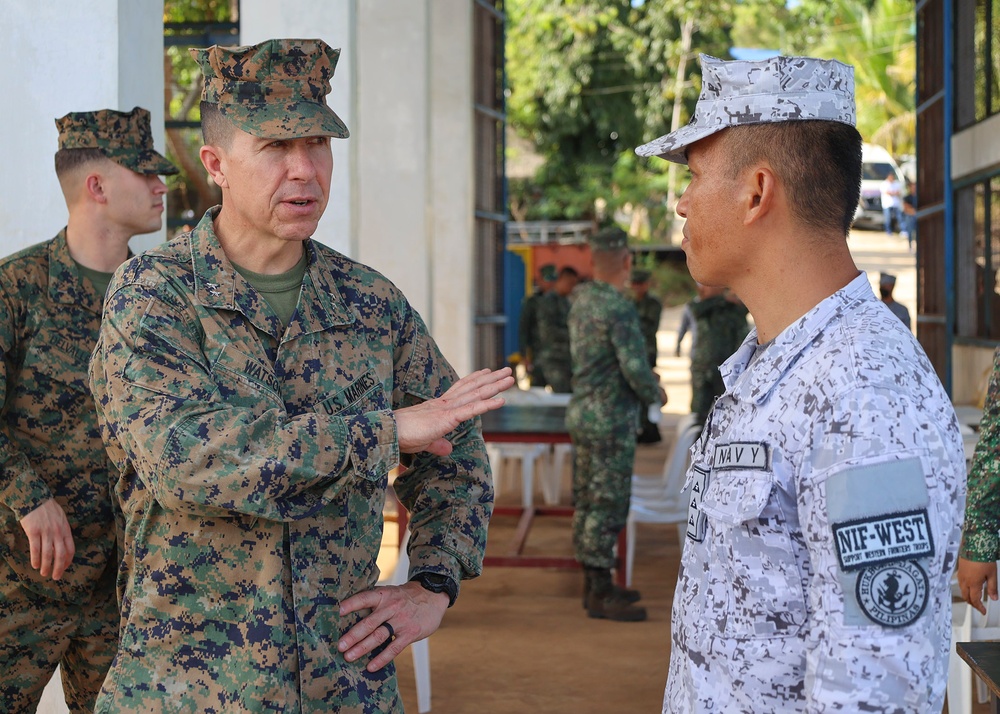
437	583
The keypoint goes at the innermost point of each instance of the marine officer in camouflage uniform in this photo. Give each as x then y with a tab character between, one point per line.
527	329
255	388
58	562
612	380
553	334
827	488
649	308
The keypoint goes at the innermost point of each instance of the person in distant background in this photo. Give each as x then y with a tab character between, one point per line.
891	202
649	308
612	380
886	284
687	326
527	329
721	325
553	333
909	208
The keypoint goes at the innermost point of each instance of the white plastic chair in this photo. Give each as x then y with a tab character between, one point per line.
661	499
508	459
968	625
420	649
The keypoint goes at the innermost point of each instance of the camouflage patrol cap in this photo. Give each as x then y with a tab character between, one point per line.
274	90
548	273
609	239
640	276
887	279
124	138
777	89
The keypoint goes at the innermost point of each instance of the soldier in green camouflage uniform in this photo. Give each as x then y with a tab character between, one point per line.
255	410
58	552
611	381
553	333
649	308
527	329
977	561
721	323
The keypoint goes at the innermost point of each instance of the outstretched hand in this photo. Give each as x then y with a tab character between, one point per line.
50	539
423	426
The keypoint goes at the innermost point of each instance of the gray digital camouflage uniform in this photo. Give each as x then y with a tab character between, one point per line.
50	447
826	495
253	477
611	381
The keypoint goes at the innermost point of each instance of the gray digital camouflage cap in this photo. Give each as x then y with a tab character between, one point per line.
275	89
125	138
611	238
776	89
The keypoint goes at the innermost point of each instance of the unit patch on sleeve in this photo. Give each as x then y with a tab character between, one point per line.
893	595
883	539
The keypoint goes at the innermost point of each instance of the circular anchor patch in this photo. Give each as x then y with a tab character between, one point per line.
894	594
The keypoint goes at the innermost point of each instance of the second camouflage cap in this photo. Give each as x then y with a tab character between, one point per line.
125	138
609	239
776	89
275	89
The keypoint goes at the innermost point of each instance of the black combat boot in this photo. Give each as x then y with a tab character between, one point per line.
604	601
590	574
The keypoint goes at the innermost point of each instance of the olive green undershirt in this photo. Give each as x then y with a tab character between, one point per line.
281	291
100	279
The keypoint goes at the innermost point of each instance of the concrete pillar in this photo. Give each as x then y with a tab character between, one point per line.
63	56
402	198
332	21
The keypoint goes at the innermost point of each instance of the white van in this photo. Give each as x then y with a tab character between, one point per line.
876	163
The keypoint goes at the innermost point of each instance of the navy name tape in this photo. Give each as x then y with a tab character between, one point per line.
740	455
888	538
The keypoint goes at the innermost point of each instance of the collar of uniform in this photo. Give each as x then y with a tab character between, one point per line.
755	385
66	285
214	274
321	304
216	280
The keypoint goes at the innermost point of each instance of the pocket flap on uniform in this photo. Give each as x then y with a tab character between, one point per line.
736	496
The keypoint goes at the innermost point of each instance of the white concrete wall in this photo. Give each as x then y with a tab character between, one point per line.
976	149
63	56
402	197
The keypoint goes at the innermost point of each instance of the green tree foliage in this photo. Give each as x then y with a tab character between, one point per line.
190	191
875	36
589	81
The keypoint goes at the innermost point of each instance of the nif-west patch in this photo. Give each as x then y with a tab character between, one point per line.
883	539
